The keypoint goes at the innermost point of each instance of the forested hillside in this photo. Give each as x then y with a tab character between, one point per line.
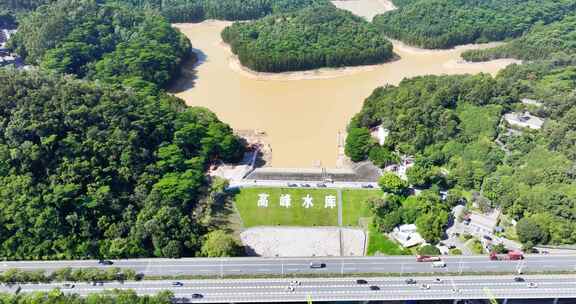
542	42
90	171
198	10
450	124
110	43
308	39
446	23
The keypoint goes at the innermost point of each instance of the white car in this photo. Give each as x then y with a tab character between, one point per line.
424	286
290	289
532	285
295	283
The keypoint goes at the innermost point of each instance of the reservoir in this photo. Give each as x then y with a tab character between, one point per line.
301	113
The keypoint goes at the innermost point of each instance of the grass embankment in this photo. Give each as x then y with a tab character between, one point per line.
296	215
354	206
379	243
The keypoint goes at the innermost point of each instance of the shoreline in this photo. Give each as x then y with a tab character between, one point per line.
328	73
321	73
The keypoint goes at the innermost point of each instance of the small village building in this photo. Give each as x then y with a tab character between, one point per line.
524	120
380	134
483	224
407	235
531	102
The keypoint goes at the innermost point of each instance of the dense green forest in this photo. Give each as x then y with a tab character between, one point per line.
451	123
87	170
57	296
198	10
308	39
446	23
543	41
110	43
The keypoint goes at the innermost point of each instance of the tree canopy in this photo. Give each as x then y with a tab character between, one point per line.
314	37
87	170
453	127
107	42
198	10
541	42
446	23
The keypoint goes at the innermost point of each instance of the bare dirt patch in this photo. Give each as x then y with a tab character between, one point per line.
299	242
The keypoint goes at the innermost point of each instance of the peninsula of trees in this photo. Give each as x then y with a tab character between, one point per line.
315	37
542	42
108	42
447	23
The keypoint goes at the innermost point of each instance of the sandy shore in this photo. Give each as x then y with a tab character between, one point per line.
322	73
327	73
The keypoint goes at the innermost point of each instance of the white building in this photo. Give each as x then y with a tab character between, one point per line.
483	224
407	235
380	133
524	120
532	102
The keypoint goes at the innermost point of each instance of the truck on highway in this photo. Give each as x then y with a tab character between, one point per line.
511	255
426	258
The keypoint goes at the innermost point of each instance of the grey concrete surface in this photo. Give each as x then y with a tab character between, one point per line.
297	266
337	289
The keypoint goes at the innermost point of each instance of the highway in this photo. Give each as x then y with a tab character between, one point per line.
223	267
338	289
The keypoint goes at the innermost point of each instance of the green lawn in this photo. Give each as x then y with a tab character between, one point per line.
380	243
252	215
354	205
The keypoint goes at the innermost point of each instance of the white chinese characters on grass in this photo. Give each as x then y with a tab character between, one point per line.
285	200
307	201
263	200
330	201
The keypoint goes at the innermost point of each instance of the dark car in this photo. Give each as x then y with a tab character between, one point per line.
317	265
177	284
518	279
197	296
374	287
291	185
321	185
487	238
105	262
367	186
410	281
360	281
305	185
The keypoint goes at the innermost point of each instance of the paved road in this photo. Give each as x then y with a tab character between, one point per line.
248	183
275	290
298	266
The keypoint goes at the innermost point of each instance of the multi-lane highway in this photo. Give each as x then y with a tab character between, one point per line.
339	289
298	266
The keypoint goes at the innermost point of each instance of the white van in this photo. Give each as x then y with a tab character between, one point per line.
439	264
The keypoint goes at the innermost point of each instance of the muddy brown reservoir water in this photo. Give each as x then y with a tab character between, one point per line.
301	113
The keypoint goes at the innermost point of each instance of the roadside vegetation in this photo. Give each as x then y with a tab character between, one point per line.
13	276
315	37
446	23
57	296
